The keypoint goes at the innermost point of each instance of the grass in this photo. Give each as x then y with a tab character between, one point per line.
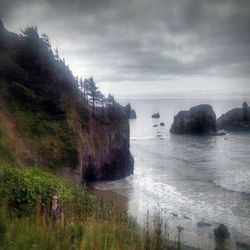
90	223
50	136
6	148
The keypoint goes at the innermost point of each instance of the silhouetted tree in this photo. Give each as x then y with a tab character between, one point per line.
30	33
92	92
100	100
46	42
110	101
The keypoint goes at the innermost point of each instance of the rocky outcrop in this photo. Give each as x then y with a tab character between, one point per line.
200	119
156	115
242	245
106	154
130	113
221	232
203	224
8	40
237	119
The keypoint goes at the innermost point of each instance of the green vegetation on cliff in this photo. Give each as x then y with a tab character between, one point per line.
38	95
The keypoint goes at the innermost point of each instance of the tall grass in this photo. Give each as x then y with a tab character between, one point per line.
90	223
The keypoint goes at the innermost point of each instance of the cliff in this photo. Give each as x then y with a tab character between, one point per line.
46	120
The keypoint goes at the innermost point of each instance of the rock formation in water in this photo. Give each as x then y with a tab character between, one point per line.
237	119
45	119
200	119
221	232
156	115
130	113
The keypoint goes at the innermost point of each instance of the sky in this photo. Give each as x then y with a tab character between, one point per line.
145	47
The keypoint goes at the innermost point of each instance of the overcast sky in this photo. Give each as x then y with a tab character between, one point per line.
144	47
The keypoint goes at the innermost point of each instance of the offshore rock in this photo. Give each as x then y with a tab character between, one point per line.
200	119
237	119
221	232
156	115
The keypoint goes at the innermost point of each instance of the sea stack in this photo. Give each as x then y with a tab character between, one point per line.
200	119
237	119
130	113
156	115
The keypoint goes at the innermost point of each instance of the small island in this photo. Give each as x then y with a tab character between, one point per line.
237	119
200	119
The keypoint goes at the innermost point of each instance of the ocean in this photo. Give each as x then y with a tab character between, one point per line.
187	179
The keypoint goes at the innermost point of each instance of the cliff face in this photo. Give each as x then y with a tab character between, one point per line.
106	156
42	107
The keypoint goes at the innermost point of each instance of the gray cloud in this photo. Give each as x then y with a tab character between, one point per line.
141	40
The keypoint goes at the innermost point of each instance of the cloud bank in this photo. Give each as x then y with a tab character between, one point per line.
141	42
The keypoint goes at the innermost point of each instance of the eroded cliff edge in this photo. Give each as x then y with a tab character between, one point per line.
105	155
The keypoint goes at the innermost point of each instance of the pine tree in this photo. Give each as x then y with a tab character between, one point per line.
92	92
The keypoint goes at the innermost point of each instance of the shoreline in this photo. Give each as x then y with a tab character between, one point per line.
121	202
201	239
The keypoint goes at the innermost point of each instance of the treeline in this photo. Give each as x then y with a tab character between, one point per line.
92	95
38	56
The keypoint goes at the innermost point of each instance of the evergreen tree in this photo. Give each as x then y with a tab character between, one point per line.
92	92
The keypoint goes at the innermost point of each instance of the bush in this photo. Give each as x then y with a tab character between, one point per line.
25	190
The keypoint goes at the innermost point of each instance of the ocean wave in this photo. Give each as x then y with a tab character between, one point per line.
110	185
233	186
143	138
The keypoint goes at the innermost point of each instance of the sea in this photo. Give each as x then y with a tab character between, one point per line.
186	179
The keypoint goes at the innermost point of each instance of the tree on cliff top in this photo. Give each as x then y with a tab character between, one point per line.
92	92
50	77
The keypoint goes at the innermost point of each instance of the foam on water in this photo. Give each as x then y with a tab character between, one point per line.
234	180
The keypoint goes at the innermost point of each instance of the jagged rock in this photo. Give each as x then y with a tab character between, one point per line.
237	119
111	159
218	134
221	232
156	115
155	125
200	119
243	245
8	40
162	124
1	25
130	113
